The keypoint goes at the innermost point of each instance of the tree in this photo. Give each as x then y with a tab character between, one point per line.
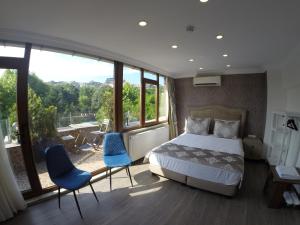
106	102
131	101
42	120
8	86
85	98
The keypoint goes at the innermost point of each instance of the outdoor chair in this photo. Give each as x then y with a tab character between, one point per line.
115	154
64	174
99	134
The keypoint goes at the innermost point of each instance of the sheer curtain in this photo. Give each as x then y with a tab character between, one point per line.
172	108
11	199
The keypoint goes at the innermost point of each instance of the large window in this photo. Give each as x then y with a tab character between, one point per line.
66	98
131	97
70	97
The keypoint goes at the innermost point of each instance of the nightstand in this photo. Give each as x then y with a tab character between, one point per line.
253	148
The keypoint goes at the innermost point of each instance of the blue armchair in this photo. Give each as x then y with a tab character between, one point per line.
115	154
64	174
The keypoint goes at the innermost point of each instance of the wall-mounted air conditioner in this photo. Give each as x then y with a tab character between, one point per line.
204	81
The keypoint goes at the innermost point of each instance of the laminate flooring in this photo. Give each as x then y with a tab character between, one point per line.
156	200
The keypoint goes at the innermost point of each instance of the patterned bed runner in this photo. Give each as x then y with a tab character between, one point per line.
221	160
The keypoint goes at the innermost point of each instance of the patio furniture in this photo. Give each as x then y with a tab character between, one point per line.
64	174
99	134
115	154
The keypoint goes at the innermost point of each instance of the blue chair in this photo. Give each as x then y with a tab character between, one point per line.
115	154
64	174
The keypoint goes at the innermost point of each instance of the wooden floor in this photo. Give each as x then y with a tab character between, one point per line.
155	200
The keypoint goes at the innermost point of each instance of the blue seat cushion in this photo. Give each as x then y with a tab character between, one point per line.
73	180
117	160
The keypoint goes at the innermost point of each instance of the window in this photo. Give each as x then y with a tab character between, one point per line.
163	99
12	50
150	76
69	97
150	102
131	97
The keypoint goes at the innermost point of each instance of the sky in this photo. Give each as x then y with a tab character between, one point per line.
54	66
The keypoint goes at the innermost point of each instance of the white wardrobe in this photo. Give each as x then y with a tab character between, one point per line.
284	148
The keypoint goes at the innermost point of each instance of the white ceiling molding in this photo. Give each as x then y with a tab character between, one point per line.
60	43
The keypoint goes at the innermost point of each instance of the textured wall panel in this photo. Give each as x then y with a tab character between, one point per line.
240	91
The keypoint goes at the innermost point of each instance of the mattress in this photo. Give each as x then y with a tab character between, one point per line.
197	169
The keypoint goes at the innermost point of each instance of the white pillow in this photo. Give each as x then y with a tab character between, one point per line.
198	126
226	128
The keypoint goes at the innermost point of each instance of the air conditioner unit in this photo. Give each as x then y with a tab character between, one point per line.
201	81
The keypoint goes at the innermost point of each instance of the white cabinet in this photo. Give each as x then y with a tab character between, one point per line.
284	142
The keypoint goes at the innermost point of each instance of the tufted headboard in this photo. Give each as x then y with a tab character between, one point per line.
220	112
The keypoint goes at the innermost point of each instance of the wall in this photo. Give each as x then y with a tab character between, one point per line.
240	91
283	90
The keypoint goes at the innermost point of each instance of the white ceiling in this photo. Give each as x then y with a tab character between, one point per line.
257	33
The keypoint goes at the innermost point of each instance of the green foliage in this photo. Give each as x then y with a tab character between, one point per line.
85	98
64	96
42	119
105	99
131	101
150	103
8	86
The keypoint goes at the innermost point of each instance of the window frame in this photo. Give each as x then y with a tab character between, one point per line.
22	65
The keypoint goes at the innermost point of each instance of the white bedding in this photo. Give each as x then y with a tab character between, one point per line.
199	171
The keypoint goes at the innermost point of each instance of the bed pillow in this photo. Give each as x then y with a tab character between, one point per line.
198	126
226	128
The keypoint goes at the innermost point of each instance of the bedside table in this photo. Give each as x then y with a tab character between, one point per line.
253	148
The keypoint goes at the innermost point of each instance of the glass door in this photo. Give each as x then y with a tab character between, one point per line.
10	126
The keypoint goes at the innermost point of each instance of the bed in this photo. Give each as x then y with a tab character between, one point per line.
204	161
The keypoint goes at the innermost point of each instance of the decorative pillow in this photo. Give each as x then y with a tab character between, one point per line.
226	128
197	125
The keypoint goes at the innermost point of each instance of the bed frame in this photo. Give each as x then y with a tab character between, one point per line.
214	112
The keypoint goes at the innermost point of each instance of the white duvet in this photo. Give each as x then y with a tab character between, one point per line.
196	170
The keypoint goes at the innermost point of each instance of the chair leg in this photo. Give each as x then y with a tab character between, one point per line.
126	171
106	173
78	207
58	197
110	178
129	175
93	191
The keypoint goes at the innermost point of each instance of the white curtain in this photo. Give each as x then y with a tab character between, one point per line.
11	199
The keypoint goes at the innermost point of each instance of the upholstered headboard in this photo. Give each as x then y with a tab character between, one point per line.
220	112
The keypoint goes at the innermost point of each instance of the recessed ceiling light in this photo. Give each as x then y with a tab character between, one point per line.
225	55
191	60
228	65
143	23
201	68
174	46
219	36
203	1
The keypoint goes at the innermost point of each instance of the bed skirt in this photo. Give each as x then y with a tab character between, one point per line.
228	190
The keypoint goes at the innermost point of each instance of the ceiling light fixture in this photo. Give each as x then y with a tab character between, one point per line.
174	46
143	23
203	1
219	36
191	60
228	66
225	55
201	68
